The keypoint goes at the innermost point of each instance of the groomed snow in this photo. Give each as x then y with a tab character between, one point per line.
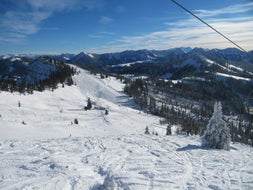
41	149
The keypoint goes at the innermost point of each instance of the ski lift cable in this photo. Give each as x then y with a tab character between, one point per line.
187	10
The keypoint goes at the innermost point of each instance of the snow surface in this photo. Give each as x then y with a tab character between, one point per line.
136	161
232	76
15	59
211	62
49	114
234	67
66	58
90	55
41	149
132	63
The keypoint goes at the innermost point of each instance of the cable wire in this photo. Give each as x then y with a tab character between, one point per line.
208	25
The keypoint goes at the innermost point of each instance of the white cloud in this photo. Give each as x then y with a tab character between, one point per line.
105	20
191	32
234	9
25	18
23	22
60	5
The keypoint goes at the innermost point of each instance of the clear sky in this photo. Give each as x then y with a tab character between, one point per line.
98	26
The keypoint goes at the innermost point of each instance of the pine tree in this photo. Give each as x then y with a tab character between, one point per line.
147	131
168	130
89	105
76	121
217	134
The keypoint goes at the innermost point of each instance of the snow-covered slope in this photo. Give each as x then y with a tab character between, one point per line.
135	161
41	148
49	114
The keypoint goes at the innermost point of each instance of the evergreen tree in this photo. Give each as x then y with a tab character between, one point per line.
76	121
217	134
168	130
147	131
89	105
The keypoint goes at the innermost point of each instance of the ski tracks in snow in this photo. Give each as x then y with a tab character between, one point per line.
134	161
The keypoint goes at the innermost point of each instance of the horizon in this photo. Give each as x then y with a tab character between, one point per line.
60	53
99	26
86	52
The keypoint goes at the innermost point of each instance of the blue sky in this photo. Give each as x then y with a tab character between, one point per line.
99	26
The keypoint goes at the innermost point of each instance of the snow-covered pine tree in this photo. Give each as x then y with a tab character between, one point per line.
217	134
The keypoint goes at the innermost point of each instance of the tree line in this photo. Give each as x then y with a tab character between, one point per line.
190	105
13	82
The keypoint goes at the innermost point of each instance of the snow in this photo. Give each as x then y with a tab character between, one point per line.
217	133
6	57
210	61
90	55
176	81
15	59
195	78
234	67
135	161
134	77
105	151
131	63
232	76
49	114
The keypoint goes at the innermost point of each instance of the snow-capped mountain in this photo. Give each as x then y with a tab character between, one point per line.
127	56
39	70
25	70
27	74
83	57
132	61
63	57
170	58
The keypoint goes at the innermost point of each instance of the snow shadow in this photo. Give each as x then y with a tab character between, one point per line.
126	101
192	147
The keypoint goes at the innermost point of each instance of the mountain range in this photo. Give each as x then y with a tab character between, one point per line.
184	64
49	141
169	64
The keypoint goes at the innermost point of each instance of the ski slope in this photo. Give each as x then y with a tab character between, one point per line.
135	161
51	114
41	148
